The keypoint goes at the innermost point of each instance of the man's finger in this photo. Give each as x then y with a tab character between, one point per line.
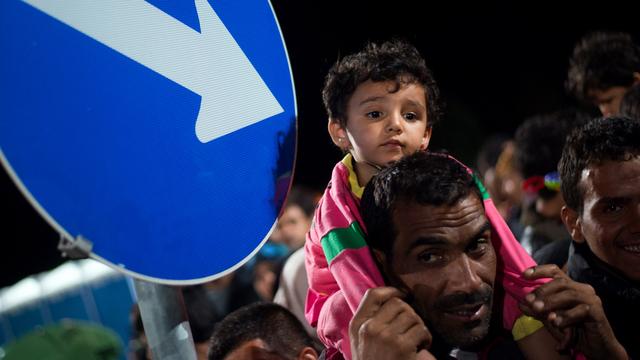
559	295
419	335
578	314
544	271
526	309
404	321
392	309
371	303
425	355
546	290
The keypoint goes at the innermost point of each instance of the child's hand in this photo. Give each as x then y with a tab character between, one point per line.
386	327
573	314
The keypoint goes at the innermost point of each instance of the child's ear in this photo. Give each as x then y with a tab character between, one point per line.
573	223
338	135
426	138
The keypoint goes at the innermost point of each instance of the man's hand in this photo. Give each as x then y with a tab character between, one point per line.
573	314
385	327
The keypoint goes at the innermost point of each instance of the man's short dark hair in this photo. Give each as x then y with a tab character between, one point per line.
539	140
272	323
394	60
630	104
603	139
602	60
424	178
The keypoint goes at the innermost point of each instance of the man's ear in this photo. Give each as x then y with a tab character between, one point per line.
573	223
636	78
381	259
426	138
307	353
338	134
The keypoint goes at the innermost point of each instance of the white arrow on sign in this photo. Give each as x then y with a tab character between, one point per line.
209	63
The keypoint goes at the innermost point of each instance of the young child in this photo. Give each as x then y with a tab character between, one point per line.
604	65
382	103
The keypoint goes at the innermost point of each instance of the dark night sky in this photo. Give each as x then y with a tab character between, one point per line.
495	65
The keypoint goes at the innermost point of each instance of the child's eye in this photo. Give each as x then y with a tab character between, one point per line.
410	116
374	114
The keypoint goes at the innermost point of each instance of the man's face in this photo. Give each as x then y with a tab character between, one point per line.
293	226
443	255
610	219
608	100
550	206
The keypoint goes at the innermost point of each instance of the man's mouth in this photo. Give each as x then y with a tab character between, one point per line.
632	248
467	313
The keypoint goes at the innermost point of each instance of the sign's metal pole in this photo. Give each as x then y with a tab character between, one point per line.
165	321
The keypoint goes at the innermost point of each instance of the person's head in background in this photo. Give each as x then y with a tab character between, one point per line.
486	164
510	177
288	236
202	316
604	65
266	275
600	172
539	141
263	331
630	105
296	217
382	102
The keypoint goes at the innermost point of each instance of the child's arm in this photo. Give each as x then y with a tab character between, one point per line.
340	270
333	324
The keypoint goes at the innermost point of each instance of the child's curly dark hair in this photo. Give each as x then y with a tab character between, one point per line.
394	60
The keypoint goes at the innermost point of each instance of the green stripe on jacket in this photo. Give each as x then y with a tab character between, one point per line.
342	238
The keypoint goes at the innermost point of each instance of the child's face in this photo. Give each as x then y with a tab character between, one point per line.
608	100
383	126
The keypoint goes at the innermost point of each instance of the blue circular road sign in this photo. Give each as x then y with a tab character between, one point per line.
163	132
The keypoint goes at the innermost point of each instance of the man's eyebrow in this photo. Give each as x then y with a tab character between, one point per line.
427	241
483	229
610	199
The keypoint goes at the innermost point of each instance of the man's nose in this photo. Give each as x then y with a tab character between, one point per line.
464	277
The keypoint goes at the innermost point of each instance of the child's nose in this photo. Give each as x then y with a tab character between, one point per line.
395	123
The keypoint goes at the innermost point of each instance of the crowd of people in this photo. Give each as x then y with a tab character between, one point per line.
532	252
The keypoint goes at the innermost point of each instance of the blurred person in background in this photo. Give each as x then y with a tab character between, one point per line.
604	65
511	188
202	316
293	286
630	105
539	141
